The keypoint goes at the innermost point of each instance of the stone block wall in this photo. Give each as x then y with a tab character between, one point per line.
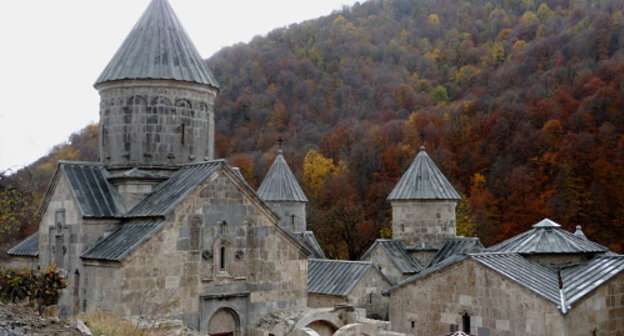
60	207
419	222
64	235
292	215
368	295
601	313
380	259
429	306
325	301
157	122
179	270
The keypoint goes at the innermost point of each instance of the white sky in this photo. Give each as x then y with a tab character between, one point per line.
52	52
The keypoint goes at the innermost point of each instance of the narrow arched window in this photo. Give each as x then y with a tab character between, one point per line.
222	251
466	323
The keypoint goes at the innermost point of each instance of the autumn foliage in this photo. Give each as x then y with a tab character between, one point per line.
519	102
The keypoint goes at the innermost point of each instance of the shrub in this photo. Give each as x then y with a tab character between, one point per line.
40	288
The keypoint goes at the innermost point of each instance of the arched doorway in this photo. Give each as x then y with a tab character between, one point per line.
322	327
224	322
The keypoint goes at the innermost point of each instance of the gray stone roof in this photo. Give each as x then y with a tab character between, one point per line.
456	246
336	277
123	240
169	193
547	237
423	181
158	48
578	281
29	247
308	239
280	184
95	196
396	251
429	270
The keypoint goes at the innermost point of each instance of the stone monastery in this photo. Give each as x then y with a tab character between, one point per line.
159	226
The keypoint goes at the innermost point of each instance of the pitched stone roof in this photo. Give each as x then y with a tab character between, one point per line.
396	250
29	247
123	240
308	240
456	246
336	277
169	193
158	48
578	281
547	237
95	196
280	184
423	181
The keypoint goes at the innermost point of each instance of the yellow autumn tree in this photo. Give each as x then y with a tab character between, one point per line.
316	169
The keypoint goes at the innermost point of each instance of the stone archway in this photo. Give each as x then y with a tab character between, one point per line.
323	327
224	322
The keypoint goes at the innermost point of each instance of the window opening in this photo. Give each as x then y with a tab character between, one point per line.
466	323
222	258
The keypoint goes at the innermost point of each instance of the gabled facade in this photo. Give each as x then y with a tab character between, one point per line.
511	293
216	254
341	282
390	257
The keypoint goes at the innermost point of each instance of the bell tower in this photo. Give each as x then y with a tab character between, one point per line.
156	97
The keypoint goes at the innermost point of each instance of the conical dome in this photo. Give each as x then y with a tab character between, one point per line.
158	48
423	181
280	185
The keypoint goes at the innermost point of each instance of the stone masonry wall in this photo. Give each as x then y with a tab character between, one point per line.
64	235
151	123
381	260
429	305
179	270
368	295
61	200
292	215
601	313
419	222
325	301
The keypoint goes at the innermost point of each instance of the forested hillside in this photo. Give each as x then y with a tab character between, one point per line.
519	102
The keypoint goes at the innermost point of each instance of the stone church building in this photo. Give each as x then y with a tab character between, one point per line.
160	227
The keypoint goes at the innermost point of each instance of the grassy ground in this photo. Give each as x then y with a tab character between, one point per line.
104	323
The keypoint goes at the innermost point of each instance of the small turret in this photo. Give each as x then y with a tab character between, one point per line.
282	192
423	204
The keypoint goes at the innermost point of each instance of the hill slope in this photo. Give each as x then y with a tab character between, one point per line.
520	103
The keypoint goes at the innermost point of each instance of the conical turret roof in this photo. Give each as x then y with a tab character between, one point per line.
423	181
280	185
158	48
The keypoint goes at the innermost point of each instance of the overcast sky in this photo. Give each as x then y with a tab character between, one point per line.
53	51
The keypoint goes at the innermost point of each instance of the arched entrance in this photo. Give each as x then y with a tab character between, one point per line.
322	327
224	322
